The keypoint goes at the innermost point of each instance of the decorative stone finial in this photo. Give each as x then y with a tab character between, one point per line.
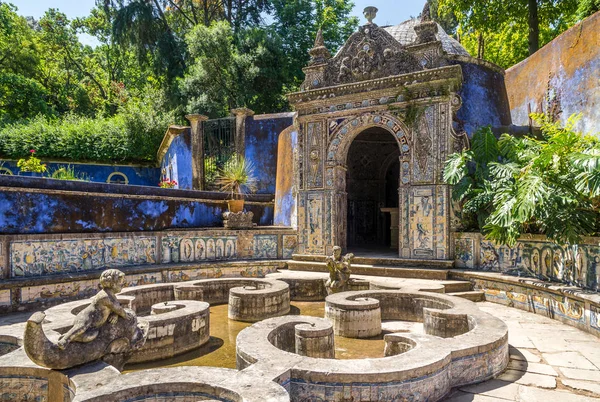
319	41
370	13
426	13
319	53
427	28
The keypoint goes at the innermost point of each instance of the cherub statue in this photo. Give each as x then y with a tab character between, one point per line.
339	270
104	307
102	330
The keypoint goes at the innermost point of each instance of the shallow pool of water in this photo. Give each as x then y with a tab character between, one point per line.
220	349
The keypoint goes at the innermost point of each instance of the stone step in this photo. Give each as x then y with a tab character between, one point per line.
385	261
458	286
473	295
375	270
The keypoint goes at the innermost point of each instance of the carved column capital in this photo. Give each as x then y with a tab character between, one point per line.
193	118
242	112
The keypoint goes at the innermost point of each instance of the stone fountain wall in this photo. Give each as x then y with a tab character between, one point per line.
48	269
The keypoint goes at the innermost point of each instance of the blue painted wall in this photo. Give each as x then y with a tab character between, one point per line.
137	175
484	98
30	205
177	163
261	148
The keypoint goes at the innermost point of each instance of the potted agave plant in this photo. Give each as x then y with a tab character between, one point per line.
237	178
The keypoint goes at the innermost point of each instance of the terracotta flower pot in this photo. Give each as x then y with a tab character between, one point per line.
235	205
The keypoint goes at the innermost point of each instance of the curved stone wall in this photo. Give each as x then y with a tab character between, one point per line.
187	384
249	300
423	365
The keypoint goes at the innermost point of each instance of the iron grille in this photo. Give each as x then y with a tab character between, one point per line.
219	146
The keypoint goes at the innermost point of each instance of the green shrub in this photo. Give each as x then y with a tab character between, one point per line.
513	185
134	134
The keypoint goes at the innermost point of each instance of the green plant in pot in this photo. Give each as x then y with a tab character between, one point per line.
237	178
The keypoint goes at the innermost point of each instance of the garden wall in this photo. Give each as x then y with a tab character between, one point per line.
99	173
559	292
41	270
262	135
31	205
177	162
562	75
532	254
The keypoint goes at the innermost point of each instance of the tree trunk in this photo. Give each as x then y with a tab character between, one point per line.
534	27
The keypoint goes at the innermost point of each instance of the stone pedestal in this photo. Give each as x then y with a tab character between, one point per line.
358	318
315	340
394	226
238	220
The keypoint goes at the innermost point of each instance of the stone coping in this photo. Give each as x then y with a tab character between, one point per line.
484	346
40	184
12	283
218	383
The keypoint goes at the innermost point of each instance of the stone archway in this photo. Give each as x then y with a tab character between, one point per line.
372	191
341	140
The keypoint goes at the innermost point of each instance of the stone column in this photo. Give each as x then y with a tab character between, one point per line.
197	145
240	128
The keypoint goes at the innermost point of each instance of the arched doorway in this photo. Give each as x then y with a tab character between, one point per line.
372	180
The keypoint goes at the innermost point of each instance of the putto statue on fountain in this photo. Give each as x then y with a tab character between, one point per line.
339	271
103	330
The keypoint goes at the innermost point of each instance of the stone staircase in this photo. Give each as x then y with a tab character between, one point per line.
436	270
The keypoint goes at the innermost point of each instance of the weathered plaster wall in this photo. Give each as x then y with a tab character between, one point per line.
136	175
34	205
285	202
177	162
565	72
47	269
484	98
533	254
262	133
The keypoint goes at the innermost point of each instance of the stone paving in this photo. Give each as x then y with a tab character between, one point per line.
549	361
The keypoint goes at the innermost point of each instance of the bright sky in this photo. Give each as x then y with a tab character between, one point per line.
391	12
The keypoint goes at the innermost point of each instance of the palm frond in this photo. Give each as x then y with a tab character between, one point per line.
237	177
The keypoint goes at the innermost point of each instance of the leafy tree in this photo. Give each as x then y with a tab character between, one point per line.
21	98
18	43
587	8
548	185
297	22
220	75
524	27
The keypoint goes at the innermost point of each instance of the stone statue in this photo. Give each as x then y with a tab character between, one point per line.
339	271
103	330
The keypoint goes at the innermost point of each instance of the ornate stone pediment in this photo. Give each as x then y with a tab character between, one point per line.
368	54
